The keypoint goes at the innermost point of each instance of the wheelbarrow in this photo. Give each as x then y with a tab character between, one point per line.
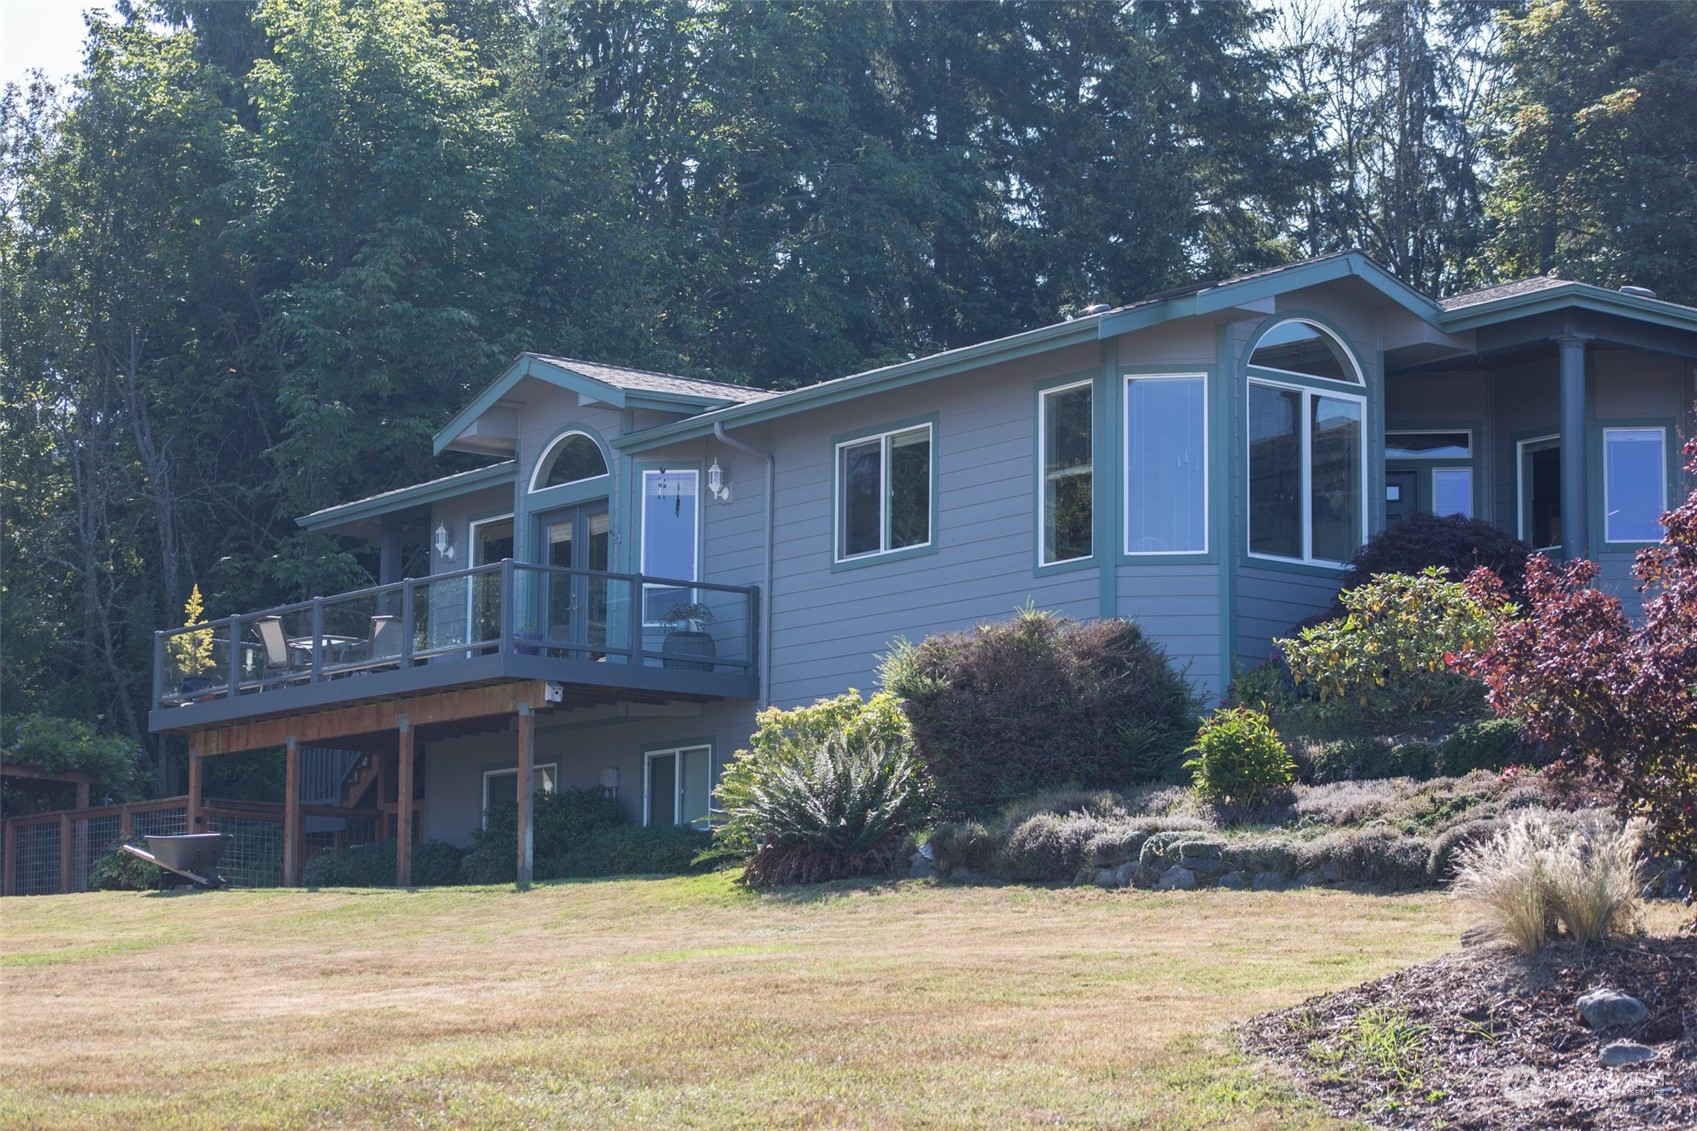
193	856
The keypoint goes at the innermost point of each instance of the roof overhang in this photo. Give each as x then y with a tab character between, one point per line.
1571	297
363	518
490	423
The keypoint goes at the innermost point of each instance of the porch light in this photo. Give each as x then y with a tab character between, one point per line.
716	482
444	543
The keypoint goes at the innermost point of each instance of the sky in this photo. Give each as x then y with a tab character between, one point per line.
42	33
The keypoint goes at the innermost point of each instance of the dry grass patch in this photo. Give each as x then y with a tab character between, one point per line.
678	1002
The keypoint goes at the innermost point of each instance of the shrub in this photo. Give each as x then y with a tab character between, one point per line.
961	844
1486	744
1366	759
117	870
1239	759
824	792
1454	545
632	850
57	744
434	864
1038	702
560	821
1532	876
1389	657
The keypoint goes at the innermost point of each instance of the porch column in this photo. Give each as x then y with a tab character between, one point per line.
1575	508
527	762
403	808
196	802
291	812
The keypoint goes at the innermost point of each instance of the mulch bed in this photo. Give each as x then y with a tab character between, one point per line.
1494	1041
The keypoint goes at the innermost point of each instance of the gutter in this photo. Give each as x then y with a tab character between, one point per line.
766	559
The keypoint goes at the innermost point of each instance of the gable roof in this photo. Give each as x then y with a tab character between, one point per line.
1545	293
613	385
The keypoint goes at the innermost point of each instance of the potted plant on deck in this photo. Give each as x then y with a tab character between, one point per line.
191	652
687	636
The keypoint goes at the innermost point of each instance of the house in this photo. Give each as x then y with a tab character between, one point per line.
649	559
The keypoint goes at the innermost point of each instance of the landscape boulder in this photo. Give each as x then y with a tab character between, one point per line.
1611	1009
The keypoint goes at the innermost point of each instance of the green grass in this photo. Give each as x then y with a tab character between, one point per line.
681	1002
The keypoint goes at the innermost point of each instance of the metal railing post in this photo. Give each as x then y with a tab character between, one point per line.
235	628
158	673
317	639
407	611
507	606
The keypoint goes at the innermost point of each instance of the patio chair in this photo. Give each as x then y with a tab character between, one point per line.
385	642
279	659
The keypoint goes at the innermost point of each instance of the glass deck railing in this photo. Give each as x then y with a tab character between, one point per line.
505	608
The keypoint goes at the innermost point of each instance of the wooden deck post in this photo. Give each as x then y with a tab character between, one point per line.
527	762
403	808
196	780
291	812
65	852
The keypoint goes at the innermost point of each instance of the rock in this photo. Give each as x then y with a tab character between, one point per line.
1202	849
1236	881
1611	1009
1177	878
1268	881
1201	865
919	865
1124	874
1311	878
1105	878
1625	1052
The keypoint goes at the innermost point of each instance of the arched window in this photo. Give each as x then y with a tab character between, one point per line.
572	458
1307	446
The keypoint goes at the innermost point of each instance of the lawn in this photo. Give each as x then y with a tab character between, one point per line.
678	1002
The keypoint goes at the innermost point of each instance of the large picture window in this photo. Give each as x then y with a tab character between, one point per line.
501	787
1634	484
1166	461
1066	459
1307	456
884	493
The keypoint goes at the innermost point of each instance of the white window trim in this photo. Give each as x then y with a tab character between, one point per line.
1125	458
1359	381
1331	389
553	450
1662	482
1520	484
884	439
1043	470
676	753
1468	432
471	535
553	769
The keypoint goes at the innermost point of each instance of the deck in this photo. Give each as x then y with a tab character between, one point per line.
591	637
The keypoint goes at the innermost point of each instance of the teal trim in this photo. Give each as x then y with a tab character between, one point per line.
1287	565
1222	494
1566	297
1425	465
1549	433
1108	532
1598	485
1039	391
860	561
858	385
1267	285
532	366
407	498
1122	554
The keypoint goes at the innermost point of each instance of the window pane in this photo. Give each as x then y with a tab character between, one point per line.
493	541
669	515
578	457
1166	476
1452	491
1428	445
1298	347
1275	471
859	475
1635	478
1541	494
693	773
1067	486
663	789
1336	478
910	488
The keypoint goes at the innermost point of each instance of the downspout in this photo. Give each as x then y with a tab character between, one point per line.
766	561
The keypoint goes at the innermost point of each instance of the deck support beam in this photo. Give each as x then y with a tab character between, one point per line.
196	802
403	807
292	825
527	763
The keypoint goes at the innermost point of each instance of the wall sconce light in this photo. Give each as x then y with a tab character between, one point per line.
444	543
716	482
